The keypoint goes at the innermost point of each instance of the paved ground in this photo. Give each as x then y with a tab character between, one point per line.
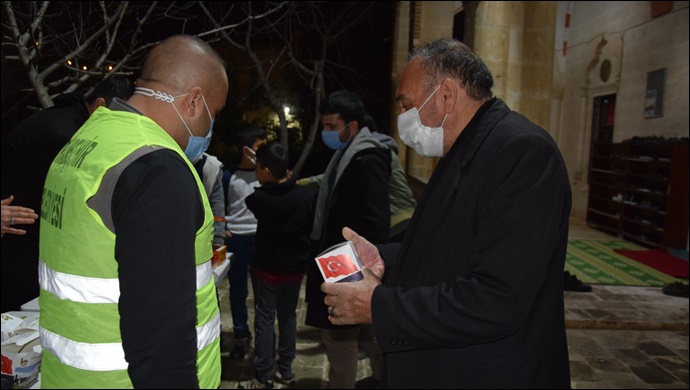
619	338
627	338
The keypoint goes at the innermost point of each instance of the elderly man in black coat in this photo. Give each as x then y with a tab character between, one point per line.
473	296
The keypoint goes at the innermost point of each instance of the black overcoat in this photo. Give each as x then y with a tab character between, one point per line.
474	296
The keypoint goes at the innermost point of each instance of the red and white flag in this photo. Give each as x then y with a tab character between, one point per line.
339	265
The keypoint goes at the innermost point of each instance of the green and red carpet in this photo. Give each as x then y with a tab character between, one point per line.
596	262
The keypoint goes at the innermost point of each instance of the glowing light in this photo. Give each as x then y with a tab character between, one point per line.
69	62
110	67
84	67
286	109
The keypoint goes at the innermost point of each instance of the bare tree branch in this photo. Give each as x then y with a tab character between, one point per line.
239	24
292	48
246	46
44	36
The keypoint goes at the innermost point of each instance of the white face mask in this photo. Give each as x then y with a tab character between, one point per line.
427	141
251	156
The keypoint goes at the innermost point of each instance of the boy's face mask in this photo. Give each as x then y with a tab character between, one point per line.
250	154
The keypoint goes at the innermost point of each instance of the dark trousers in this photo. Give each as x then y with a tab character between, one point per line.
242	248
272	299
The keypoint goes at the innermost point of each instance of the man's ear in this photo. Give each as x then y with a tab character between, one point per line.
195	103
449	91
354	125
99	102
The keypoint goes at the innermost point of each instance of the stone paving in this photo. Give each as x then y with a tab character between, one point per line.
619	337
627	338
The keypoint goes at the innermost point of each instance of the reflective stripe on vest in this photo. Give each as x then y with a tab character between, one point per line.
104	356
109	356
204	274
92	357
97	290
78	288
208	333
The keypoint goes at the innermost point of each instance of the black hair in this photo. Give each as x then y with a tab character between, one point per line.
274	157
346	104
115	86
370	123
449	57
248	135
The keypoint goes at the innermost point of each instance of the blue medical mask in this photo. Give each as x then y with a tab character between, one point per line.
330	138
196	146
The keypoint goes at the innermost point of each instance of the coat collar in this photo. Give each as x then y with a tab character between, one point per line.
460	154
469	140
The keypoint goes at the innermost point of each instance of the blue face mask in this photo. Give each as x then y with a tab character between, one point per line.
196	146
330	138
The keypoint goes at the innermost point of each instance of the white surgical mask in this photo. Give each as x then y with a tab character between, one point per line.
251	156
425	140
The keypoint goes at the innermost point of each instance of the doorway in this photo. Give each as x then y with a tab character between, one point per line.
603	118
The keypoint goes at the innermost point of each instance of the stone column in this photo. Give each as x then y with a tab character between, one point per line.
492	40
538	62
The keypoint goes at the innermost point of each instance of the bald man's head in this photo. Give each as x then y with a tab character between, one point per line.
188	69
181	62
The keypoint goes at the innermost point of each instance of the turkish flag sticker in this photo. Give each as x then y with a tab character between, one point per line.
339	262
334	266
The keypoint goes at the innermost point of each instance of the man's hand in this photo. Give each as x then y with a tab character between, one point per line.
15	215
368	253
350	303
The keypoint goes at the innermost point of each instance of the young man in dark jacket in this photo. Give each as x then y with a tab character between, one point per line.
354	191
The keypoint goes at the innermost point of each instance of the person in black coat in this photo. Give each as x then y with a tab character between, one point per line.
26	157
353	192
473	296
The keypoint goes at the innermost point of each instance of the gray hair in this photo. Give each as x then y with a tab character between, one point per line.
449	57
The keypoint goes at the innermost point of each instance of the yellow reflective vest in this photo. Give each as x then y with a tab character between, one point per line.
78	273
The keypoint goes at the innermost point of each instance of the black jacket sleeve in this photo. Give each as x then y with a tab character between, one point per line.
157	210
